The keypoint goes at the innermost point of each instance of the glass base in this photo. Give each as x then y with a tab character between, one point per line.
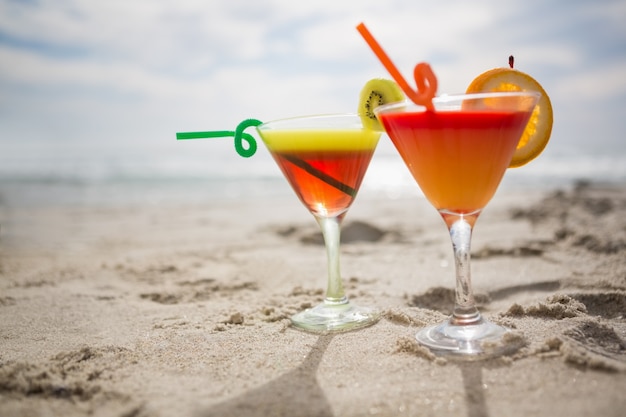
471	341
328	317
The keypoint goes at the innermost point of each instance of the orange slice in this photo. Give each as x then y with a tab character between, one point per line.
537	133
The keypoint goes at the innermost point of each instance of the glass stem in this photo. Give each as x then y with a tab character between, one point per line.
465	311
331	230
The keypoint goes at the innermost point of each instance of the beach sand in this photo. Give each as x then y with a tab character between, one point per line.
184	310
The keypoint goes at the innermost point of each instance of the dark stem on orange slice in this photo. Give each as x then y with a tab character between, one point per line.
511	61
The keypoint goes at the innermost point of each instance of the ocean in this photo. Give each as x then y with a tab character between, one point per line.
209	171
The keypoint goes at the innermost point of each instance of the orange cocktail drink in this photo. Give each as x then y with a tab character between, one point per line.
458	148
458	152
457	157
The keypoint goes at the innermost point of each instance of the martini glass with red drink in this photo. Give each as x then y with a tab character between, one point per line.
458	153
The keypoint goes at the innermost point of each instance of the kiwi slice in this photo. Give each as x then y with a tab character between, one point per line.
377	92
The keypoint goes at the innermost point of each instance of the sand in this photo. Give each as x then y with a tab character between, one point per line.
183	310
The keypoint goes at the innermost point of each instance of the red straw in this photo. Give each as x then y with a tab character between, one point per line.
425	78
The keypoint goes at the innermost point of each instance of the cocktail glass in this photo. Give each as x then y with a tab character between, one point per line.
324	159
458	154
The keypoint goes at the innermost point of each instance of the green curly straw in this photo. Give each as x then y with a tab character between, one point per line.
239	135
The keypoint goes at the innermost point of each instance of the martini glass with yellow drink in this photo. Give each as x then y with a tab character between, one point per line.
458	148
324	158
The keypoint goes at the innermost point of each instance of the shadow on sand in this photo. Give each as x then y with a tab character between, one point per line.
474	387
293	394
297	393
472	373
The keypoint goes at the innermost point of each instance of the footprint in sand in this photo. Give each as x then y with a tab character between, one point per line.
353	232
78	376
199	290
595	346
442	299
576	215
608	305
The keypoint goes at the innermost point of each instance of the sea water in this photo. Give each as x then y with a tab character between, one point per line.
210	171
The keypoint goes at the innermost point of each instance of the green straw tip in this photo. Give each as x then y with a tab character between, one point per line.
239	135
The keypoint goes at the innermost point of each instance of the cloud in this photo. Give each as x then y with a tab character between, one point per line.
128	70
599	83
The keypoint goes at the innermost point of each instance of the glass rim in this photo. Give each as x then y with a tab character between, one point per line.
311	119
450	98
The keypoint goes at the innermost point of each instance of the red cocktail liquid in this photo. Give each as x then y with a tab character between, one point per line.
325	181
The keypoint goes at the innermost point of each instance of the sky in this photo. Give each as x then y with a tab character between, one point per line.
122	74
